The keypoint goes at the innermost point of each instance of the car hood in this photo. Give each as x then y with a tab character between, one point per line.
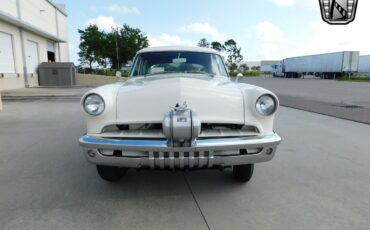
215	99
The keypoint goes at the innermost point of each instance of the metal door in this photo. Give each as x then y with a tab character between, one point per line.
6	54
32	56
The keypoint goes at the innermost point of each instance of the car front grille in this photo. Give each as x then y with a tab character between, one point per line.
155	132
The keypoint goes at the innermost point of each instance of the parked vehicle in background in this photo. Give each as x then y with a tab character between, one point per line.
277	70
364	65
329	65
126	69
268	66
179	110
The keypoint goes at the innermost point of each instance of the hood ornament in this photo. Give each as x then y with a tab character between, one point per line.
181	109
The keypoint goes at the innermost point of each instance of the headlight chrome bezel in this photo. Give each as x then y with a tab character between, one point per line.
100	110
276	105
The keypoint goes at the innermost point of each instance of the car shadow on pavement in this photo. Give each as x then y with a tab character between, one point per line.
167	183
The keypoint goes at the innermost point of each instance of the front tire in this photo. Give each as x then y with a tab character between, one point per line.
243	173
110	173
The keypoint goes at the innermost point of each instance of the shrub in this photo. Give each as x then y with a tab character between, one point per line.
252	73
104	72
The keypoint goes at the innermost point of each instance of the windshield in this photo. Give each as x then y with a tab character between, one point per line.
153	63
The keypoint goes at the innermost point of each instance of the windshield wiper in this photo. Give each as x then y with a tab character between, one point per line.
204	73
159	73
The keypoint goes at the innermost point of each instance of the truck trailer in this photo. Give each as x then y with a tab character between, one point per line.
329	65
364	65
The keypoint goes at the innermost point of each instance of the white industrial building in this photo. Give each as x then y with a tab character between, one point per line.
268	66
31	32
249	64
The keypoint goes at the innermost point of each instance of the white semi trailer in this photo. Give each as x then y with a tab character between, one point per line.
328	65
364	65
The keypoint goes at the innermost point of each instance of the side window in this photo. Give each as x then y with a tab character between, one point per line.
136	66
221	66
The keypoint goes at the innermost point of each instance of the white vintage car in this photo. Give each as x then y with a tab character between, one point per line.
179	110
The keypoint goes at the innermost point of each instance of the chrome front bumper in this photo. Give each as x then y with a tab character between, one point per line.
206	153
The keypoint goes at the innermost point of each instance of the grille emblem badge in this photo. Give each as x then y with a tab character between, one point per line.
338	12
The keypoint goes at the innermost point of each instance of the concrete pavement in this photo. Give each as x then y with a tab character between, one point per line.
44	92
319	179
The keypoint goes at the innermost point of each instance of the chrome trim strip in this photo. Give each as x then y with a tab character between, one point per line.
158	134
205	153
161	145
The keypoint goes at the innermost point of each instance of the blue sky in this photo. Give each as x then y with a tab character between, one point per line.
265	29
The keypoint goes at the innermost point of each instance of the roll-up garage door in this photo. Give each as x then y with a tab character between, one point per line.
32	56
6	54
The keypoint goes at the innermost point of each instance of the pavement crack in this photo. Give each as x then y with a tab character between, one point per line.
196	201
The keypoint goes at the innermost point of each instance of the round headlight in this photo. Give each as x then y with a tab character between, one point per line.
266	105
94	105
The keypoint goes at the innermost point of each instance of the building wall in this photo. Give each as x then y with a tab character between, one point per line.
63	34
267	68
13	80
44	16
39	13
9	7
16	80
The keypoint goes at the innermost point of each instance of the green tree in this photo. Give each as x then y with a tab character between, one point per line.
233	54
110	49
127	41
203	43
91	40
217	46
244	67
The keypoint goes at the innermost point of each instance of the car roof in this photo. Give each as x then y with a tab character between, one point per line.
178	48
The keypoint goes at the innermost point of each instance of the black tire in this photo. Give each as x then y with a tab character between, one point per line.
243	173
110	173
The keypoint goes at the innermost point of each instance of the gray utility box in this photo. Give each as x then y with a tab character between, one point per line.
61	74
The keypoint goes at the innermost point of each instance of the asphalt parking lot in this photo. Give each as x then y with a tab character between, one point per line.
347	100
319	179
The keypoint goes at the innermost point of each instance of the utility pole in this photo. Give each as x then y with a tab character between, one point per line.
118	67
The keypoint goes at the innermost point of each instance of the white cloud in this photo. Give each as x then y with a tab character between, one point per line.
285	2
272	39
329	38
105	23
267	31
203	28
314	37
122	9
168	40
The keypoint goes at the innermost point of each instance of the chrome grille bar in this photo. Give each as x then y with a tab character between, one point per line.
201	159
210	159
189	160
